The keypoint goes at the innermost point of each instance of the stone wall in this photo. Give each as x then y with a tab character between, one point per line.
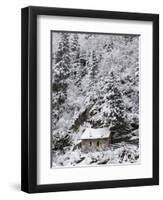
88	145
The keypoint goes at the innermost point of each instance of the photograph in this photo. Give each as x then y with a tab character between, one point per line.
94	99
89	99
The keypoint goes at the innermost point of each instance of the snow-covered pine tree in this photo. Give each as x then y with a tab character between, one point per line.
61	71
75	55
83	63
60	82
61	141
94	65
75	47
119	125
63	47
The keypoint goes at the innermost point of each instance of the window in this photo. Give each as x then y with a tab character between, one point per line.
98	143
90	143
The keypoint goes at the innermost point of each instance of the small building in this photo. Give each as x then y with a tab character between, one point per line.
95	139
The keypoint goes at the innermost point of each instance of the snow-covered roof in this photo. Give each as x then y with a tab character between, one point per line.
95	133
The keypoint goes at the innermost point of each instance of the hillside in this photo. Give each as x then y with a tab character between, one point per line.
95	83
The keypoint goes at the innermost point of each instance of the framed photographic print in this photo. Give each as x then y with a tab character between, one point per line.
90	99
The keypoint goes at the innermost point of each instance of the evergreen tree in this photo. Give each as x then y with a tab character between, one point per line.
83	64
60	142
75	47
62	58
94	67
117	115
62	64
61	71
75	56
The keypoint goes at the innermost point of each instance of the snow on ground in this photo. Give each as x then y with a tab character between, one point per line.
115	154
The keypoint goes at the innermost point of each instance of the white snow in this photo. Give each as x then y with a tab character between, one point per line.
115	154
92	133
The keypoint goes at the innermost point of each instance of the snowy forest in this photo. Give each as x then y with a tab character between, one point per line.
94	84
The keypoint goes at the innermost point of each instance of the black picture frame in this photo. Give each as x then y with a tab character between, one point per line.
29	99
